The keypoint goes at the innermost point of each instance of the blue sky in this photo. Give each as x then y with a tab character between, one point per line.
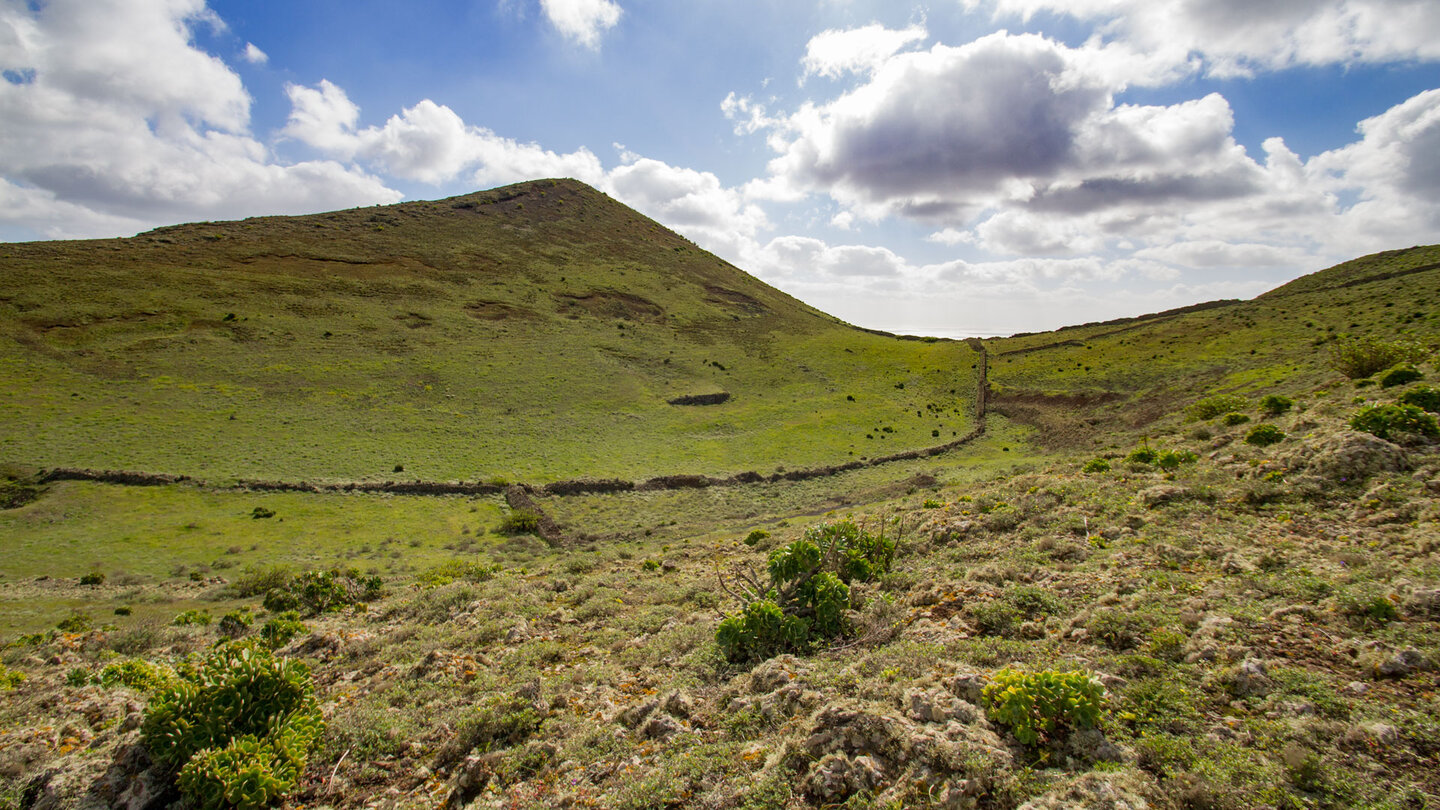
956	167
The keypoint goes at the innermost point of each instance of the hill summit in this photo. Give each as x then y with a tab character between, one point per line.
539	331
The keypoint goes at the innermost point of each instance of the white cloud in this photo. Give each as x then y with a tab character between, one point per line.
254	55
1239	37
428	142
1007	121
694	203
582	20
142	128
835	52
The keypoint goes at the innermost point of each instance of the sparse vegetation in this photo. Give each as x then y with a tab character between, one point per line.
1360	357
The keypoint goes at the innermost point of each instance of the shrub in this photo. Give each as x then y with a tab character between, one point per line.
1362	357
1384	421
9	678
74	623
1116	629
997	618
756	536
520	521
1424	397
317	592
1400	375
807	593
256	581
236	623
1143	455
1036	704
137	674
93	578
1213	406
187	618
1276	404
1264	435
453	570
1234	418
1096	465
1034	602
237	727
1172	459
1367	607
278	630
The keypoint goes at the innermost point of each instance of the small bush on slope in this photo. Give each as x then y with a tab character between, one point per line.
807	593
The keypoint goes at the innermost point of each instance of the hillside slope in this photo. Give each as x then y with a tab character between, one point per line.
1080	383
536	331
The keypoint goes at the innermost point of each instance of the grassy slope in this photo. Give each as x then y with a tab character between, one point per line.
531	332
1146	371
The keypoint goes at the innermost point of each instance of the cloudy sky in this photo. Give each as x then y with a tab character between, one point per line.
951	167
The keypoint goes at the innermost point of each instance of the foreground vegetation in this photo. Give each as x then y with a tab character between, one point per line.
1192	562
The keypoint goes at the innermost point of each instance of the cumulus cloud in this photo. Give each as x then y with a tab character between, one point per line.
1239	37
582	20
835	52
428	142
254	55
951	135
145	128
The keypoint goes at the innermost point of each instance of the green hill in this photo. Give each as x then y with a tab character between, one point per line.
534	332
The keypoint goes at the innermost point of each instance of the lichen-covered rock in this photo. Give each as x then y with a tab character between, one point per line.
836	777
1162	494
1120	790
939	706
961	761
1348	457
1251	679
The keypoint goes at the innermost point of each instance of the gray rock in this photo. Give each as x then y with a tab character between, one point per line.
1251	679
1401	664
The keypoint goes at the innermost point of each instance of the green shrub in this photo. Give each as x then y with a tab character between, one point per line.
1143	455
74	623
1264	435
123	610
236	623
1357	358
1116	629
237	727
257	581
1172	459
1036	704
1400	375
93	578
77	677
1367	607
316	592
995	618
1276	404
520	521
931	503
1385	421
1213	406
807	593
1096	465
1424	397
9	678
1234	418
1034	602
278	630
186	618
455	570
755	537
137	674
